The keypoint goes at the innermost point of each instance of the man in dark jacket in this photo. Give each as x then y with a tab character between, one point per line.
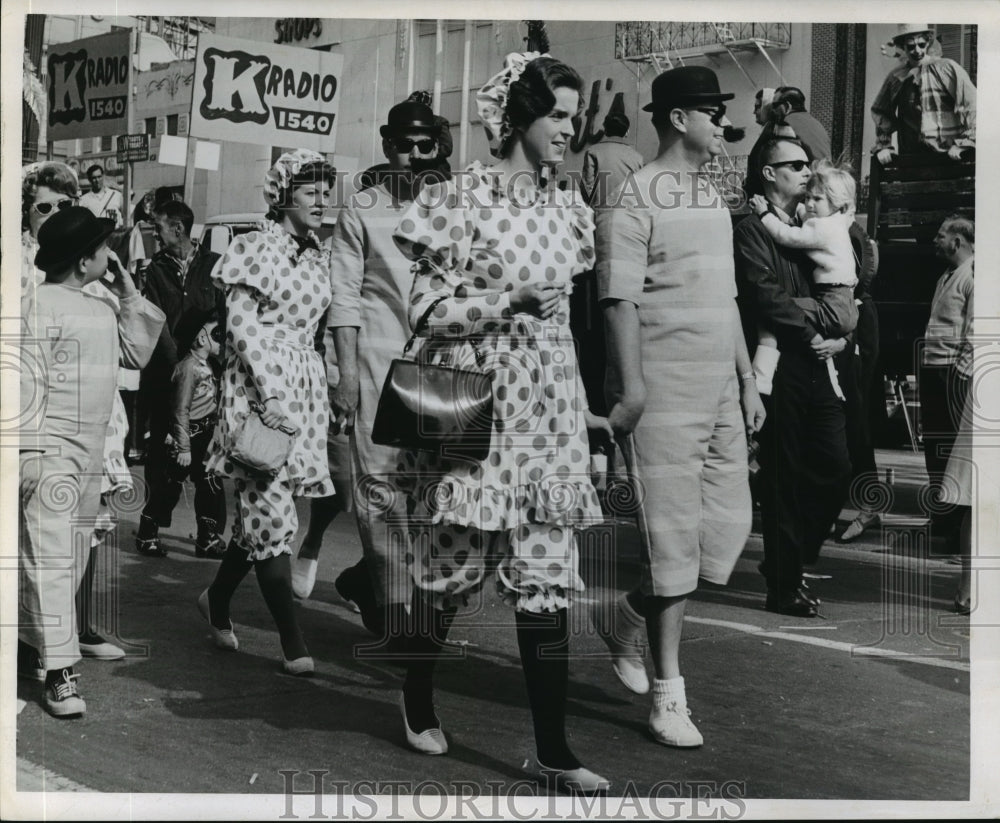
178	281
803	456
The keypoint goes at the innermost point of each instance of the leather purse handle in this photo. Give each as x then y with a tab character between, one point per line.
423	322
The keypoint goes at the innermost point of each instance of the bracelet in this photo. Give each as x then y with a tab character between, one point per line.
747	376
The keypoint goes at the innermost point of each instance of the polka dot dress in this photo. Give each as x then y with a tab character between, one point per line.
275	300
474	245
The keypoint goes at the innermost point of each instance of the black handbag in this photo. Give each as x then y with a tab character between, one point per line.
429	407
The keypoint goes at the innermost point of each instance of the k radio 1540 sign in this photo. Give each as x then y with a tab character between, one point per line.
262	93
88	85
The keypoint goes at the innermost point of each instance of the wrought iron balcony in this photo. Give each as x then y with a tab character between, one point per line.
636	40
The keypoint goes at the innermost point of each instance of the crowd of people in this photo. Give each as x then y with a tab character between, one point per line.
712	338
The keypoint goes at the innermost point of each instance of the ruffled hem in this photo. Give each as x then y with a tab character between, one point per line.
450	501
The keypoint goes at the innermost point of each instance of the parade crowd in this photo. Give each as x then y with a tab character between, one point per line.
628	317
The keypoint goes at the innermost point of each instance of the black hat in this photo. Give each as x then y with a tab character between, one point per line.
69	235
410	116
685	86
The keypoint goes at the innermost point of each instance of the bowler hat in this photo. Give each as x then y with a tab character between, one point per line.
410	115
909	29
685	86
69	235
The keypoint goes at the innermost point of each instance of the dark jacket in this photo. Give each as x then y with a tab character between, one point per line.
768	276
186	306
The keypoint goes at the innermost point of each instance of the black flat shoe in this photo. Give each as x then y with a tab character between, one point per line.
794	605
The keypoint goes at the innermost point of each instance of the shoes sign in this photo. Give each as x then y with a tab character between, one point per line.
87	86
266	94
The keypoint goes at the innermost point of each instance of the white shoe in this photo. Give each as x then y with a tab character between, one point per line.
303	576
224	638
299	667
430	741
671	725
572	781
101	651
627	649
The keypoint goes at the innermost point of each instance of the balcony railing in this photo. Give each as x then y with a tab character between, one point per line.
638	39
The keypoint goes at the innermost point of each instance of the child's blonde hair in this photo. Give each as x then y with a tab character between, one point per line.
836	182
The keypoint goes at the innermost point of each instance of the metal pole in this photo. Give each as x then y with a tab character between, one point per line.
410	57
463	126
438	64
133	49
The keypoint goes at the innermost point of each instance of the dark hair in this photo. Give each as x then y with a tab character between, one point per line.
139	213
53	175
770	148
790	97
532	95
308	175
176	211
95	167
616	125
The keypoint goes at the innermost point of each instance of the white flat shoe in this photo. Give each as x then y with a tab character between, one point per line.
572	781
858	526
300	666
431	741
223	638
627	651
303	577
102	651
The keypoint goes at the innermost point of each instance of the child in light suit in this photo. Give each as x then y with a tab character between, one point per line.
71	349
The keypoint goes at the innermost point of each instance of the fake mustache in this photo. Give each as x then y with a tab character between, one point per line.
733	134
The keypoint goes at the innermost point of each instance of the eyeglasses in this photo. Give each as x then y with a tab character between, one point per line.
404	145
915	44
715	115
794	165
46	209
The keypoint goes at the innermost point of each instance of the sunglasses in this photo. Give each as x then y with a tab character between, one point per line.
404	145
794	165
715	115
916	44
46	209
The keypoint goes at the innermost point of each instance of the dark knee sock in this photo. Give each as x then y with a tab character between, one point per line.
274	576
85	596
543	640
424	632
233	567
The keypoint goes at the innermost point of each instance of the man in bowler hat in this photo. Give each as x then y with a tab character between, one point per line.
681	388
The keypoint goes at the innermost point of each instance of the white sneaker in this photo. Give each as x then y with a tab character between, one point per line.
100	649
671	725
303	576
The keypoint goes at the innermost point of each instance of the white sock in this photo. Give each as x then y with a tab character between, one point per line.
669	691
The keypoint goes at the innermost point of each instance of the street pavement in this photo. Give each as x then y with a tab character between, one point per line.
871	702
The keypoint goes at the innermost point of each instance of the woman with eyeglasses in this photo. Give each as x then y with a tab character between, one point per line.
46	189
277	284
494	260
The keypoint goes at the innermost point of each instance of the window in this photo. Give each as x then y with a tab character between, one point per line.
172	120
106	142
151	127
961	44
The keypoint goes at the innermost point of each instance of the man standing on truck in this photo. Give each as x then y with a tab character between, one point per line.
929	102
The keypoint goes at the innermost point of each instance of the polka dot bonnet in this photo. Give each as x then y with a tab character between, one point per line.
491	99
279	177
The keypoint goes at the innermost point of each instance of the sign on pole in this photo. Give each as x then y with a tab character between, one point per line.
133	148
265	94
88	87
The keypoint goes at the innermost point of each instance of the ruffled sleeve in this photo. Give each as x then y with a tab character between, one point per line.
243	264
437	235
244	271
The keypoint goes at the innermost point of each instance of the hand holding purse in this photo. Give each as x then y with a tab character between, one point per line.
435	408
259	448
